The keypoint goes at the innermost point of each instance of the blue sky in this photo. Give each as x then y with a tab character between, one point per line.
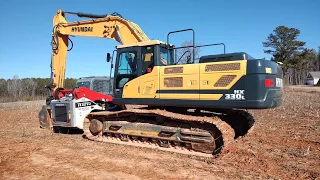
25	32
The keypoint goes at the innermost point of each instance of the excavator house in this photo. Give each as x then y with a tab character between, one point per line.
194	108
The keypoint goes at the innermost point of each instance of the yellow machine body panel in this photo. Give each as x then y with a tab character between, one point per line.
149	84
130	89
187	82
144	86
220	76
179	77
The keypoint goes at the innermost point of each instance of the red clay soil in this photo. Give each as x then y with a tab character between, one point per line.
284	144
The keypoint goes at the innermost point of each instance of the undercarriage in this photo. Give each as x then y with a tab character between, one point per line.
181	130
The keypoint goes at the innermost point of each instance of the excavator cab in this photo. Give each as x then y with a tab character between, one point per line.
137	60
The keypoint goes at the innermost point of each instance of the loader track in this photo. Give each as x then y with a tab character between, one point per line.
199	134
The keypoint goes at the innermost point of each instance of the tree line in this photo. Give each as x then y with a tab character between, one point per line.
21	89
296	60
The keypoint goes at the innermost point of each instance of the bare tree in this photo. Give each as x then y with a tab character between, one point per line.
30	87
14	87
3	86
183	53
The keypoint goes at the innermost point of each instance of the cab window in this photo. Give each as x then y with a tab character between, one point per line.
84	84
147	54
128	63
127	68
166	57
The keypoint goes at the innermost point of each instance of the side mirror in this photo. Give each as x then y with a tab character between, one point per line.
108	57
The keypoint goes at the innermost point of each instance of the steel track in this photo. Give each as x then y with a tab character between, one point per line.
227	132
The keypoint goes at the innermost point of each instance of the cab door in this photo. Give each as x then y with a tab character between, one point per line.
126	73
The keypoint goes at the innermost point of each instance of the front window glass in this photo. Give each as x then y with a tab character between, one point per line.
127	68
128	63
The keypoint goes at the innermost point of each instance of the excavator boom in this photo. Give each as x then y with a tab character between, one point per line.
111	26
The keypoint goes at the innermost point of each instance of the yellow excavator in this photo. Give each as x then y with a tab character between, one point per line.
194	108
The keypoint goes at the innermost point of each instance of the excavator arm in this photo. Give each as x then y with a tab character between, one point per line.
111	26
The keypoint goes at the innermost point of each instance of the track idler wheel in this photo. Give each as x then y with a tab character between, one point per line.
95	127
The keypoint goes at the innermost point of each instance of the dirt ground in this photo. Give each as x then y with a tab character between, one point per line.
284	144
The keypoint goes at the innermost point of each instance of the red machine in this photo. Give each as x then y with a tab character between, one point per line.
80	92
